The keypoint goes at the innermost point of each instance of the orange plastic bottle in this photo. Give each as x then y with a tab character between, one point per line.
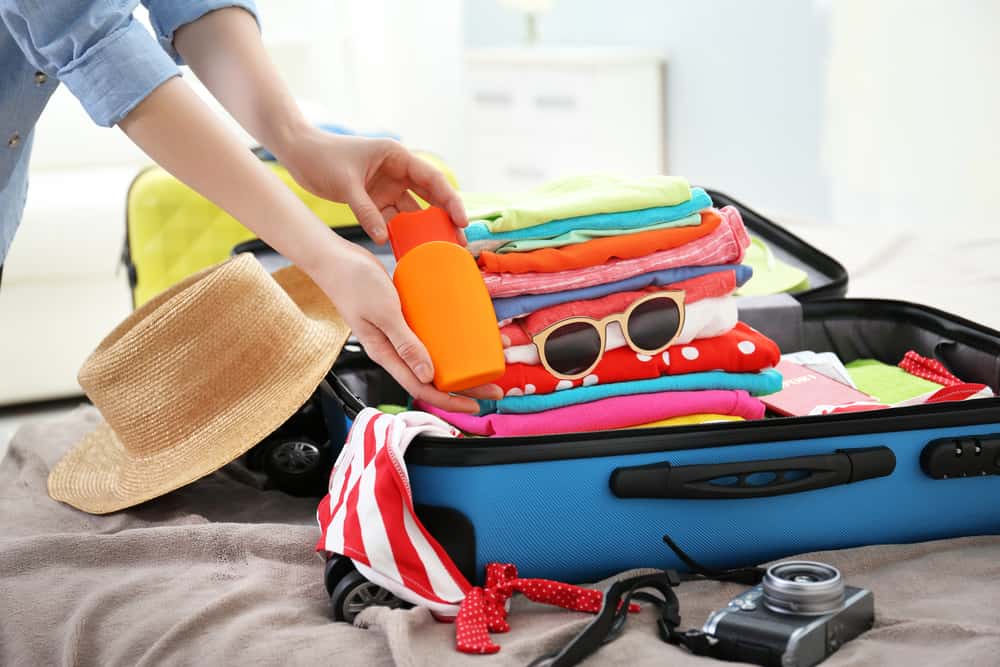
445	300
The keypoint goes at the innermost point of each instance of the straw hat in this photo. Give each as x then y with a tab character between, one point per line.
196	377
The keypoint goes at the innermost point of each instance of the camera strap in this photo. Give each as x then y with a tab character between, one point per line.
609	623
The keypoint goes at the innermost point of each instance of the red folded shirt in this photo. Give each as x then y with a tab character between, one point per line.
742	350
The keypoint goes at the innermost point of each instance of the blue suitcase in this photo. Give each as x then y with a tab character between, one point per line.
580	507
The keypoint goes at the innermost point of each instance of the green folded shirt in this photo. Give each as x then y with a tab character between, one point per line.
889	384
770	274
572	197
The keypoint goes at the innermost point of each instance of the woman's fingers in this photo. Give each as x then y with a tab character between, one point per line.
405	343
369	216
489	392
383	352
431	185
407	203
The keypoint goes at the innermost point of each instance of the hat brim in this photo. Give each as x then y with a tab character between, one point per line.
99	475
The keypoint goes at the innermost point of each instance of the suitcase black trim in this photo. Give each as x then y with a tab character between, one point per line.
444	452
126	257
498	451
757	224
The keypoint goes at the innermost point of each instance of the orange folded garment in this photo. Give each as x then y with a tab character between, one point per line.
599	251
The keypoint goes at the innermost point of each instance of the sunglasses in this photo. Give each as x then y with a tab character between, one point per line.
570	349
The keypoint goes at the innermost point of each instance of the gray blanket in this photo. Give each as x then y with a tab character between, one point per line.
222	572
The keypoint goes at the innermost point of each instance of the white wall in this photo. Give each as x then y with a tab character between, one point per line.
914	134
746	84
386	65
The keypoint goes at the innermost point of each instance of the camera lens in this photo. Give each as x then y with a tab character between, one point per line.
803	587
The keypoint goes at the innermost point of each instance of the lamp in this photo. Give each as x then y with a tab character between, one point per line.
531	9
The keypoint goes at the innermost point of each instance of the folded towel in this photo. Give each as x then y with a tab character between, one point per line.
481	238
599	251
583	235
741	350
574	196
889	384
705	319
608	413
758	384
725	245
517	306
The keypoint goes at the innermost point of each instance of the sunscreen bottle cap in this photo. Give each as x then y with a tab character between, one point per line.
410	229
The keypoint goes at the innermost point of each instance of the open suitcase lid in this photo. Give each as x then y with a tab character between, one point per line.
827	277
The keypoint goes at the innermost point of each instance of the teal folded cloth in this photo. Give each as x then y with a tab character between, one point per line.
584	235
478	231
757	384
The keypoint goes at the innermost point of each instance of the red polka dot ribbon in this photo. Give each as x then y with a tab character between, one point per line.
928	369
484	610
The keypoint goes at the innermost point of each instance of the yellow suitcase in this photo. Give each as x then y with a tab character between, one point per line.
171	231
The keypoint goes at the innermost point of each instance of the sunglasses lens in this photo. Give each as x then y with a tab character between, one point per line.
573	348
654	323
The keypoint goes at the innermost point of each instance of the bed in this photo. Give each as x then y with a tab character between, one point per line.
223	571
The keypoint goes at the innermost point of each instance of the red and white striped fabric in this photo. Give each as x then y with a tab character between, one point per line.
368	515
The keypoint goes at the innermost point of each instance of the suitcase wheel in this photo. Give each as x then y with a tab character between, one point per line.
351	593
295	464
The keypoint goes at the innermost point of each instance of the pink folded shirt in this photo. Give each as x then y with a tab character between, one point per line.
606	414
725	245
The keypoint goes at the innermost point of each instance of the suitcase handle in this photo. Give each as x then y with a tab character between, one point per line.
753	479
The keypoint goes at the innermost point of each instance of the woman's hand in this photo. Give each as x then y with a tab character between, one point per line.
373	176
367	300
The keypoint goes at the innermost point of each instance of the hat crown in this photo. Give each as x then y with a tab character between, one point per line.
189	357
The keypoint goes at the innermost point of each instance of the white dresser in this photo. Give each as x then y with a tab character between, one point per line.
532	114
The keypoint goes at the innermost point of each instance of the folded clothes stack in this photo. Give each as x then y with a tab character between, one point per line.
615	300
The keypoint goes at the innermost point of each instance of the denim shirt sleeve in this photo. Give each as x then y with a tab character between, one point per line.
167	16
107	59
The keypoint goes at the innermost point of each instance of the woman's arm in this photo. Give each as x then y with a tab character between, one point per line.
225	50
122	76
178	130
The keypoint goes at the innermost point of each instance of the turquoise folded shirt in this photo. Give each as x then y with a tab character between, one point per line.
584	235
757	384
624	219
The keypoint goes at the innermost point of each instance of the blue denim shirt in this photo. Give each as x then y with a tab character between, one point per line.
108	60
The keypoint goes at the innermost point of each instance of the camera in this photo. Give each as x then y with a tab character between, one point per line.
798	615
